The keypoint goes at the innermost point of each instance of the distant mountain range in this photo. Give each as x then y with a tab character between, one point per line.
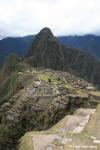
1	37
42	87
20	45
90	43
46	51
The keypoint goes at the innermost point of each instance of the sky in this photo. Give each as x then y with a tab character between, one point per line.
63	17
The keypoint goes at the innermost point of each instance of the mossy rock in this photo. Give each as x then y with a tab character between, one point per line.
57	138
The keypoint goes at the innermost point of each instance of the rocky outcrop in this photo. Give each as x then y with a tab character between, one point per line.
78	131
46	51
35	99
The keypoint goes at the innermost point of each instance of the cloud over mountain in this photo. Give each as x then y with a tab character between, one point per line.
21	17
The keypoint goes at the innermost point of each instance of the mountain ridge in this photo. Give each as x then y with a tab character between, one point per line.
20	45
46	51
53	54
89	43
37	98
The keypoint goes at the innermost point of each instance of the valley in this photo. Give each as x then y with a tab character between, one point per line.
45	101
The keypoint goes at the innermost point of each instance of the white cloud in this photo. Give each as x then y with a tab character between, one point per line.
22	17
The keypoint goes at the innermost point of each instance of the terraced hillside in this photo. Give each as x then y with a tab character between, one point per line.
36	99
46	51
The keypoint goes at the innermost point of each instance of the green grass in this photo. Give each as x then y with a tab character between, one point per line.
68	86
46	77
43	77
80	92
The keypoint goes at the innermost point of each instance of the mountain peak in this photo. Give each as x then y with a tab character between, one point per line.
45	34
46	30
47	52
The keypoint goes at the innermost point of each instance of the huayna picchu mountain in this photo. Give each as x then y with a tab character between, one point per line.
20	45
37	91
46	51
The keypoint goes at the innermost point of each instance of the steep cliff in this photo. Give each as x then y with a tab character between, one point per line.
48	52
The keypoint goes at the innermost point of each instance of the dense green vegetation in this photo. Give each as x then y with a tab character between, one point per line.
36	99
47	52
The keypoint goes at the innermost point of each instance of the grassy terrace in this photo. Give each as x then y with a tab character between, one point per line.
55	80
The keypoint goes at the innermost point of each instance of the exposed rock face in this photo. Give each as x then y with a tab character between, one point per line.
48	52
66	134
35	99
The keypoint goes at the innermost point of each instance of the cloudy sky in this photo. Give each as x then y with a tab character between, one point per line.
64	17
